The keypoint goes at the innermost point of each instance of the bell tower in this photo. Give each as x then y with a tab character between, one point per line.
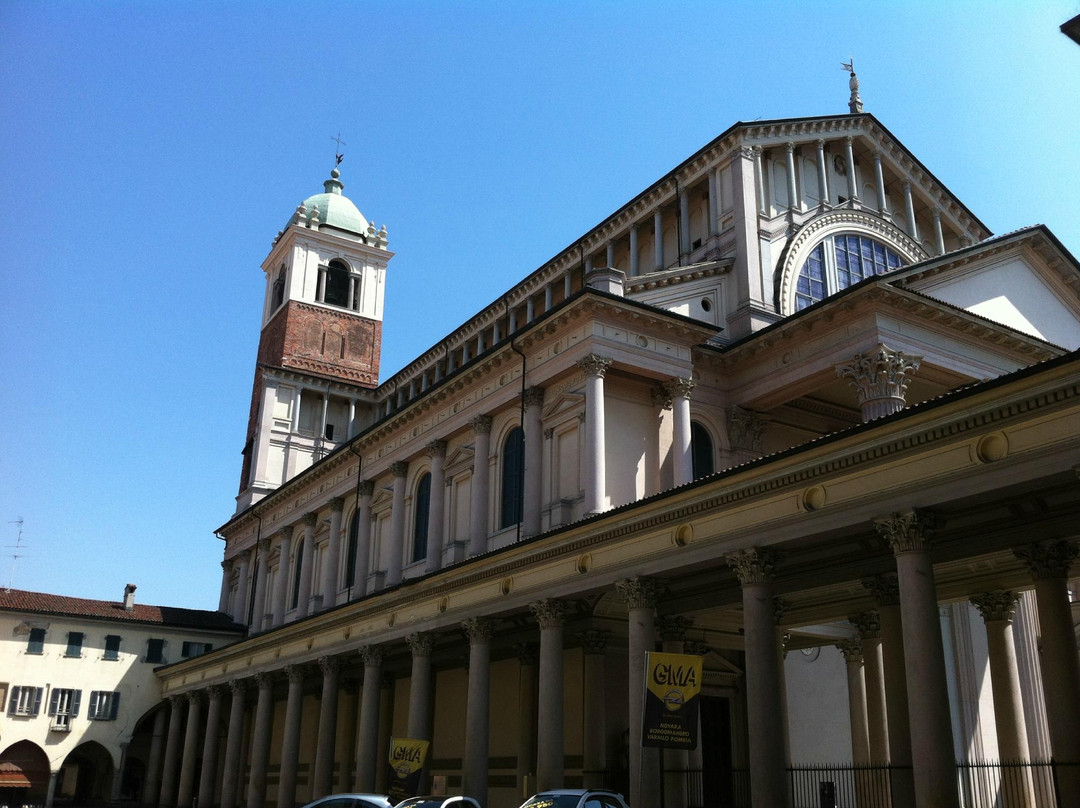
321	337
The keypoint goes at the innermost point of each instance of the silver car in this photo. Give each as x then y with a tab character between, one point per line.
438	802
576	798
351	801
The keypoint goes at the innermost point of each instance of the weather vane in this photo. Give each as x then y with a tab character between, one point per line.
855	101
339	155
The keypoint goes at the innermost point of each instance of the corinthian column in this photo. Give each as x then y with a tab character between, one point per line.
208	776
997	610
323	782
281	580
755	569
550	614
261	616
869	625
367	751
186	792
534	443
1049	565
860	739
594	735
436	450
478	513
230	779
396	550
640	595
678	390
746	431
167	799
909	535
290	742
330	566
477	729
880	379
260	741
420	685
595	469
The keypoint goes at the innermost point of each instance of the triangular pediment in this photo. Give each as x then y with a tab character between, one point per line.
566	401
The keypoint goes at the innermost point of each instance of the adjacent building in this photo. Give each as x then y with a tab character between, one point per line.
76	677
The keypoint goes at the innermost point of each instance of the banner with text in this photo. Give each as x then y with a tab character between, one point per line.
670	711
407	757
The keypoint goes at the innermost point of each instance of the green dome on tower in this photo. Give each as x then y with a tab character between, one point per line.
334	208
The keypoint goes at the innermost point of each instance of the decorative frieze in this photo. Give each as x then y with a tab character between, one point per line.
755	565
906	532
999	605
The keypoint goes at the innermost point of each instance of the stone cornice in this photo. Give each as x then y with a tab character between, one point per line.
670	277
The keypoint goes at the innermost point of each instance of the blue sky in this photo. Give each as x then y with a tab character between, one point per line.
151	151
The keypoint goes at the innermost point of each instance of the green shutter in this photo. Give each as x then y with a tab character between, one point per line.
37	701
54	701
76	699
114	707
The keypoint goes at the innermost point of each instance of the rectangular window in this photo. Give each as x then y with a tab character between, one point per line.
25	700
74	646
103	705
63	707
194	649
112	646
155	651
36	643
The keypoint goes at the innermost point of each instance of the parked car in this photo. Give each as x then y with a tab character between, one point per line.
438	802
352	801
576	798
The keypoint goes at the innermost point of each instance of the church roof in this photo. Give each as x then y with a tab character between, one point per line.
17	600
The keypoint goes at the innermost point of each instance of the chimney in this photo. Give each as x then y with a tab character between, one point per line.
129	598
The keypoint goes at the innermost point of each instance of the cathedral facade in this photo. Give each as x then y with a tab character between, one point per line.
792	408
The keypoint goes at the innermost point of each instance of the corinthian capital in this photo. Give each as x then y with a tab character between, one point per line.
366	488
594	364
549	613
745	429
885	589
372	656
639	593
1051	559
906	532
534	396
481	424
679	387
868	623
399	468
851	649
755	565
478	629
880	379
996	605
436	448
420	643
672	627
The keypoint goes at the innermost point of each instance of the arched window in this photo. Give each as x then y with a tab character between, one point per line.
279	290
420	518
336	292
701	451
350	551
839	262
299	572
513	459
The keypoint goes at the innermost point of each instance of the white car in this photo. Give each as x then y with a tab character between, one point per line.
438	802
576	798
351	801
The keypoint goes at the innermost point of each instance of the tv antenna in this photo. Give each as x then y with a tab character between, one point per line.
16	549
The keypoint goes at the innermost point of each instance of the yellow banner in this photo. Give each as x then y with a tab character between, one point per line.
407	758
670	710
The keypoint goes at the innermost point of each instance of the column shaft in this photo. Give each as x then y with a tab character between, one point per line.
549	737
684	223
234	740
436	506
363	539
323	781
681	448
635	268
658	240
534	444
260	742
478	512
367	752
307	566
331	567
527	714
478	709
152	786
395	552
792	186
281	580
595	464
167	798
822	173
208	775
186	791
290	742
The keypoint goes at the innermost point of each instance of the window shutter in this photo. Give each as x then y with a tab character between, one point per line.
14	702
54	701
94	696
76	698
37	700
114	706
